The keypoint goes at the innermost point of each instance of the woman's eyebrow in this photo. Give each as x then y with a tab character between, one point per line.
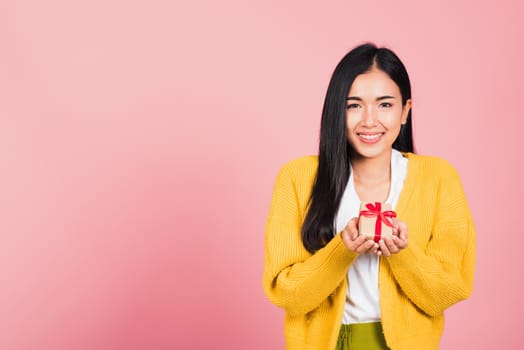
384	97
356	98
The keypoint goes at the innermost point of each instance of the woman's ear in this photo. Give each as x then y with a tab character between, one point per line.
405	111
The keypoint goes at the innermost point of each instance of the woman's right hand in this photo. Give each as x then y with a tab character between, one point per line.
355	242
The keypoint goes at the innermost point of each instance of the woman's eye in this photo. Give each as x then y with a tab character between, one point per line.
385	105
353	105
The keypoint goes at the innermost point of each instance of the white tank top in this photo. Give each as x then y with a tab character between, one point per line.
362	296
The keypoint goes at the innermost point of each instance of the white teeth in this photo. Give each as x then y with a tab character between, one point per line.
370	137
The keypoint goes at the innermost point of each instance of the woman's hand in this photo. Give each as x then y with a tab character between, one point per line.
394	244
386	246
358	243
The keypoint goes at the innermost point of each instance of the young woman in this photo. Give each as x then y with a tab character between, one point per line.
340	290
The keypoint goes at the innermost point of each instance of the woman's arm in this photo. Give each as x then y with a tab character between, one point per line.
293	278
440	275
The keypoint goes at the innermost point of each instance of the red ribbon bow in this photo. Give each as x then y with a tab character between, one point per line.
382	217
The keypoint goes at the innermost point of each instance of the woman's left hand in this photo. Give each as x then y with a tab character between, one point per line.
395	243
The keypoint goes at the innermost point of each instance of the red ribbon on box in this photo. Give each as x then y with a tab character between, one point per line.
382	217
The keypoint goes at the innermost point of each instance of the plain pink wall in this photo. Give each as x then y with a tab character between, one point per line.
139	143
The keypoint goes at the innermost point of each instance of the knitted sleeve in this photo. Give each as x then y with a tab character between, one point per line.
440	275
293	278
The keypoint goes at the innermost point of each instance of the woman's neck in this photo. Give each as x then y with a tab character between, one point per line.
371	171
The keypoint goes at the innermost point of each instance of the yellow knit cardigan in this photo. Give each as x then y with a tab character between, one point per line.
416	285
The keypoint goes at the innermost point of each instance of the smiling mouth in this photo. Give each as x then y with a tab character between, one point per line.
370	137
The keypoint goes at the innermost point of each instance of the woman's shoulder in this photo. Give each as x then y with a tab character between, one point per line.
302	163
432	165
302	167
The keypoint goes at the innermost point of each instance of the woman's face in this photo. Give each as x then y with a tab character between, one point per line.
374	114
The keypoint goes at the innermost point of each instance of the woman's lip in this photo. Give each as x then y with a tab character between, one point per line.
370	137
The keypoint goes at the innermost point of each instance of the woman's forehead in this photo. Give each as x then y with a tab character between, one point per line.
374	83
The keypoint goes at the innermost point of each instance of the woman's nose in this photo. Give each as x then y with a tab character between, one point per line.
369	117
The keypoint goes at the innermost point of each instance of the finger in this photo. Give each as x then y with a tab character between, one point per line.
352	228
403	231
346	238
365	247
374	249
392	247
350	232
401	244
394	231
359	241
352	244
395	228
383	248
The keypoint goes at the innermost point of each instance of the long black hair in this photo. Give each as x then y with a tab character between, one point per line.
334	148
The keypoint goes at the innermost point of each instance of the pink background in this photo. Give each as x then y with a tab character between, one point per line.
140	140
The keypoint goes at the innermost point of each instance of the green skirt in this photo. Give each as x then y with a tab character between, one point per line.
361	336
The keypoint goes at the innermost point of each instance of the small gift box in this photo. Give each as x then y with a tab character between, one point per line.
374	220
